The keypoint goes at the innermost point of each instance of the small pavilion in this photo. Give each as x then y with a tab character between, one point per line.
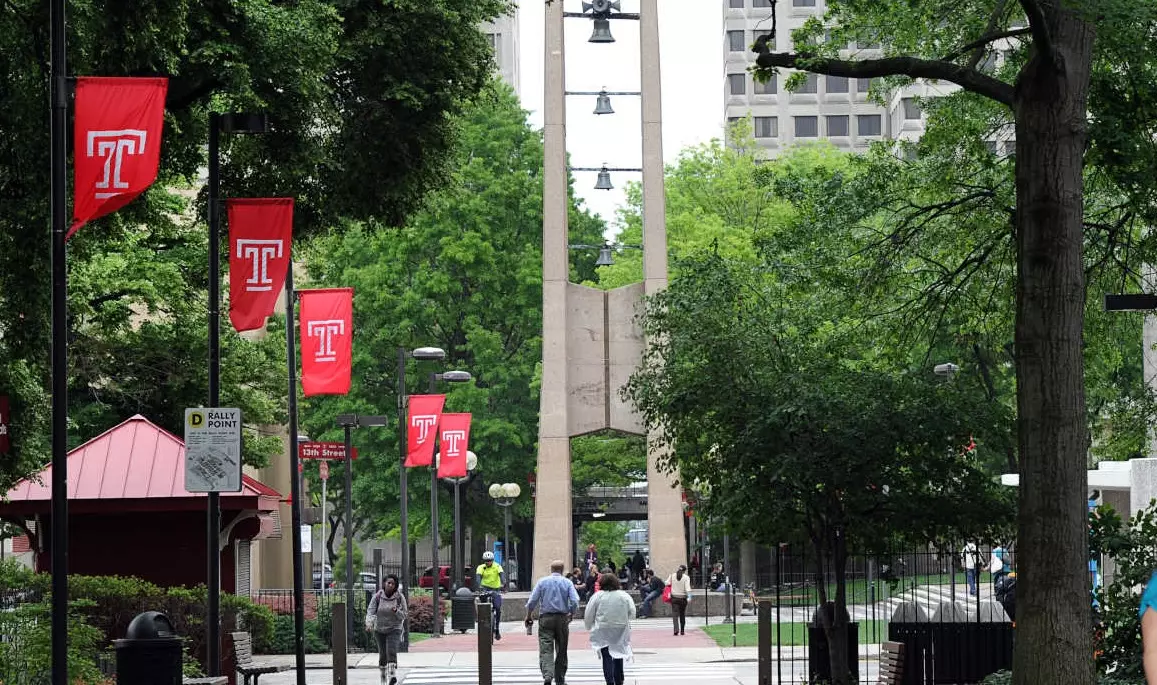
130	515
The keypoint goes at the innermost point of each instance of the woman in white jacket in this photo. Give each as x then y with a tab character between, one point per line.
608	619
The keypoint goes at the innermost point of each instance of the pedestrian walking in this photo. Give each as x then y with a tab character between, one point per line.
384	618
608	620
557	601
680	583
652	591
970	560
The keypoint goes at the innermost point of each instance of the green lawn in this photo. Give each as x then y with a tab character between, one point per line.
418	637
787	634
860	590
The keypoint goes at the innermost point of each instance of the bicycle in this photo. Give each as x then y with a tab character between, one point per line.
495	598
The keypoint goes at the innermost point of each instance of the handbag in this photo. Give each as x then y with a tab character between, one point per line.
996	565
667	594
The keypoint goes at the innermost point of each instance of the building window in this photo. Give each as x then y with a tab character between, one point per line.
809	85
735	41
767	87
868	125
1009	148
837	84
911	109
766	127
806	127
863	85
837	125
803	3
737	84
495	40
762	3
735	4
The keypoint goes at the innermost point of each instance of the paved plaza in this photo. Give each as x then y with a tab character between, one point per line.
660	657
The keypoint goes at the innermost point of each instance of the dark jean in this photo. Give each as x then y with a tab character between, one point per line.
388	644
649	601
612	668
679	613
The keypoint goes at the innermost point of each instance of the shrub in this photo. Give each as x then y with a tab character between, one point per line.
281	640
26	653
1005	678
422	613
1130	545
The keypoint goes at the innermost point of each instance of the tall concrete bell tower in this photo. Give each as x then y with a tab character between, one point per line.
591	343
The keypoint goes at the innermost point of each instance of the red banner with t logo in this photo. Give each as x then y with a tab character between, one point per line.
453	441
260	240
424	415
117	138
327	333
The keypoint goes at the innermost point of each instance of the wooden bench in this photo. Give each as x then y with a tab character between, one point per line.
891	663
243	659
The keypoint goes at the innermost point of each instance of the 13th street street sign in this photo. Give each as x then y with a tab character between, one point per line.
213	450
323	450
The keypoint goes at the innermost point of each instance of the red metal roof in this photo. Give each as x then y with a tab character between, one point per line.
136	460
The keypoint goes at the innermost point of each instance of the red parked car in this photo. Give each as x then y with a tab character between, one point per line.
445	582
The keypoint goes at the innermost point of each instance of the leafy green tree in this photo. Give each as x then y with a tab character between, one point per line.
607	458
801	431
1062	92
464	274
356	90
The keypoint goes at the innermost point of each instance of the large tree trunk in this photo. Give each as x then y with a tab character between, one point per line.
1053	642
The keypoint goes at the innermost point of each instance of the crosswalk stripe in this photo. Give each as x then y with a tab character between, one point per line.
574	674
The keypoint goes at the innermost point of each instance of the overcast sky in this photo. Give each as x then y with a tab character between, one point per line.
691	45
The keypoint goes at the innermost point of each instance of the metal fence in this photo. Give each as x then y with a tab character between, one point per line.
955	624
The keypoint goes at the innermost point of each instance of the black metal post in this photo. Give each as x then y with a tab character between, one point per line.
58	169
403	493
349	524
435	536
295	489
213	610
456	557
506	536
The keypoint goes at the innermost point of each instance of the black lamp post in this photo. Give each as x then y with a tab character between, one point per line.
505	495
349	422
458	554
218	123
426	354
435	537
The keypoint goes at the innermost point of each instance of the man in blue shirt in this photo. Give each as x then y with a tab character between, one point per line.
557	600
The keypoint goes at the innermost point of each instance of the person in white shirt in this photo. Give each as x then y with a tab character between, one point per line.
680	584
608	618
970	560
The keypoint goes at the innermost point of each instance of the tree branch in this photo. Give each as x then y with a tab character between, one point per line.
993	20
1040	31
980	43
968	79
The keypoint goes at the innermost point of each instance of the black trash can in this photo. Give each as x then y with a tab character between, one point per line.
462	610
150	653
819	663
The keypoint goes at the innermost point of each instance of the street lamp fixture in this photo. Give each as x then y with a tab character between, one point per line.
947	369
429	353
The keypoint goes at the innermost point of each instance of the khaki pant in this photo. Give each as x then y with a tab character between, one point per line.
553	635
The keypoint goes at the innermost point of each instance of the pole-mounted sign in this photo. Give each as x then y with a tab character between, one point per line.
323	450
213	450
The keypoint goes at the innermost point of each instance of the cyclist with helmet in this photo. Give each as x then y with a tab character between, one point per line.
492	581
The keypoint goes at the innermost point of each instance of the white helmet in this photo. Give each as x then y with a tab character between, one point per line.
488	556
